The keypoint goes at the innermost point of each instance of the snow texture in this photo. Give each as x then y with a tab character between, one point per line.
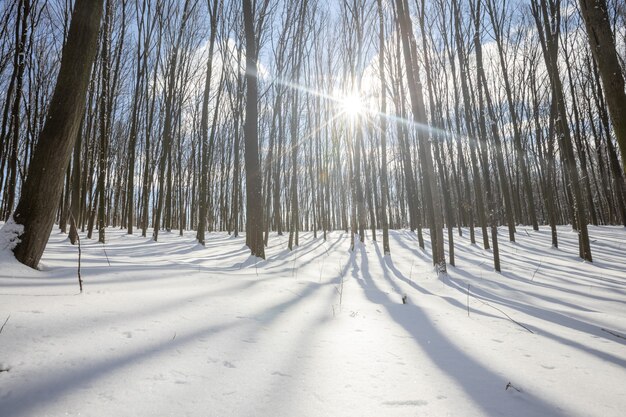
176	329
10	233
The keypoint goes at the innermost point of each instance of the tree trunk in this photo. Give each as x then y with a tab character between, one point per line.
254	198
204	125
596	16
549	40
432	200
384	181
43	186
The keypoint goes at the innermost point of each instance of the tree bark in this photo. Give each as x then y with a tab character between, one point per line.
43	186
254	198
602	45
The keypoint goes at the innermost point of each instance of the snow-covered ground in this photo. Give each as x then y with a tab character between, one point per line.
176	329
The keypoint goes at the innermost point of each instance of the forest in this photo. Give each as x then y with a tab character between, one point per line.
368	115
478	144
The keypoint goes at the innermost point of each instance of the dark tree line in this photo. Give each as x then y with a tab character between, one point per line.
284	116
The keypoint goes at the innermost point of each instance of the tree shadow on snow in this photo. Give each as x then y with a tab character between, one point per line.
480	384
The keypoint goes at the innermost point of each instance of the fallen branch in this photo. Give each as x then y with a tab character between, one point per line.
604	330
5	322
496	308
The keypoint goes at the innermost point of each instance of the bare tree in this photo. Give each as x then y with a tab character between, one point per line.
254	198
602	43
43	186
431	194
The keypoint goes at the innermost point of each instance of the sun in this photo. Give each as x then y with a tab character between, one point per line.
352	105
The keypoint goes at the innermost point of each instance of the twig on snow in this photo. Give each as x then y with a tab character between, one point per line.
496	308
5	322
604	330
534	273
509	385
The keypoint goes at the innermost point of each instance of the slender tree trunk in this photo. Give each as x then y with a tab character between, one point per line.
433	204
104	118
21	33
204	126
549	39
384	181
75	199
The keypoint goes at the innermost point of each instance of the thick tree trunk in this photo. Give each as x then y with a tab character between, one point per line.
254	198
596	16
43	186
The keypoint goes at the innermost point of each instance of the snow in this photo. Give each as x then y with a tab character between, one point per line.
9	238
176	329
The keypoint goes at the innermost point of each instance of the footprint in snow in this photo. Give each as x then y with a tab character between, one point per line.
129	335
228	364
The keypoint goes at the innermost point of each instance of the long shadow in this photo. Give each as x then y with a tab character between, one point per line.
561	288
58	383
479	383
295	358
556	318
287	263
387	264
47	389
415	250
93	268
60	276
511	266
170	304
286	255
